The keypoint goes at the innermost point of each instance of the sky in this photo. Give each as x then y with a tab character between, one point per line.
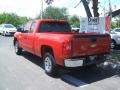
32	8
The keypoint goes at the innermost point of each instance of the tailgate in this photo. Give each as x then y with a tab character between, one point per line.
90	44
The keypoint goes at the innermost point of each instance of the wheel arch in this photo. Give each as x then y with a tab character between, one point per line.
113	40
15	39
45	48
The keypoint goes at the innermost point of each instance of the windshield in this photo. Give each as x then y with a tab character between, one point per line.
55	27
9	26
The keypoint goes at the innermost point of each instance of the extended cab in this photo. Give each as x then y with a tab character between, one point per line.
58	46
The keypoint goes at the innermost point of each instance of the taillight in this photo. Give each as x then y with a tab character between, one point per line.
67	48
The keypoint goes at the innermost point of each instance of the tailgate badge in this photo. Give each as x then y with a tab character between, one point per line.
93	45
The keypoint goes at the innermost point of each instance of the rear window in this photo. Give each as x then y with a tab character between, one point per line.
54	27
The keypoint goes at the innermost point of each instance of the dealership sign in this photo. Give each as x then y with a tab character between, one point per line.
95	24
93	21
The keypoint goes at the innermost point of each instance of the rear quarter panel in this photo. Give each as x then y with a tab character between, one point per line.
55	41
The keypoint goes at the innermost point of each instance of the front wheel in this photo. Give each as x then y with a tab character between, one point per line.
18	50
2	33
113	44
49	64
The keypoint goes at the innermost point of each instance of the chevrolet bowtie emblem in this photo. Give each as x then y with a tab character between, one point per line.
93	45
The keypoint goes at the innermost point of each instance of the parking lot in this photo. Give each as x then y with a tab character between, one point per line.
26	72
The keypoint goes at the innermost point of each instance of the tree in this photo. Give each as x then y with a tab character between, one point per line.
74	21
113	24
117	19
55	13
49	1
95	8
12	19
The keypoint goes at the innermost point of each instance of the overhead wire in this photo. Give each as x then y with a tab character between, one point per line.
77	4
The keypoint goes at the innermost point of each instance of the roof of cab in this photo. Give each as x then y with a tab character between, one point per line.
58	20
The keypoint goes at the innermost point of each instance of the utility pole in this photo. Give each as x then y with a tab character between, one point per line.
48	2
41	16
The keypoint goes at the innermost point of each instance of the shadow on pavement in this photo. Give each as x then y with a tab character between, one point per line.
78	77
34	59
86	76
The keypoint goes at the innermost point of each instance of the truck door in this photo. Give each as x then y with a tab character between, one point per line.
24	34
29	40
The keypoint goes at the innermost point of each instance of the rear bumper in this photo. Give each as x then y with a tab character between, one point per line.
73	62
86	61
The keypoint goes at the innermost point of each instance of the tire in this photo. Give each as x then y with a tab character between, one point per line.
4	34
49	65
18	50
113	44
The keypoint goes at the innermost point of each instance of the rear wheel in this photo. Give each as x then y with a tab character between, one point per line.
18	50
49	64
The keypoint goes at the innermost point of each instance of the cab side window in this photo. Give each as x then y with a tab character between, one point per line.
27	27
32	27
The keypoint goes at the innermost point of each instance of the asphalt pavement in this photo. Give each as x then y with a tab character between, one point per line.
25	72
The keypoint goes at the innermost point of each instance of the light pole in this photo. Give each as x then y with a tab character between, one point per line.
48	2
41	16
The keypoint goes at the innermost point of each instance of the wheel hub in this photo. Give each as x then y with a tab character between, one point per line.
48	64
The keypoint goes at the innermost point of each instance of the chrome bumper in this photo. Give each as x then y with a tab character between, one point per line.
73	62
85	61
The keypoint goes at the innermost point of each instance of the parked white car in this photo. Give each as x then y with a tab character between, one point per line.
7	29
115	36
75	29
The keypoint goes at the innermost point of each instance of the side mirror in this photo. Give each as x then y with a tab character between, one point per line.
22	30
19	29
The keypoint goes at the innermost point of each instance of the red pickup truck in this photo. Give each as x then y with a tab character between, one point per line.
58	46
